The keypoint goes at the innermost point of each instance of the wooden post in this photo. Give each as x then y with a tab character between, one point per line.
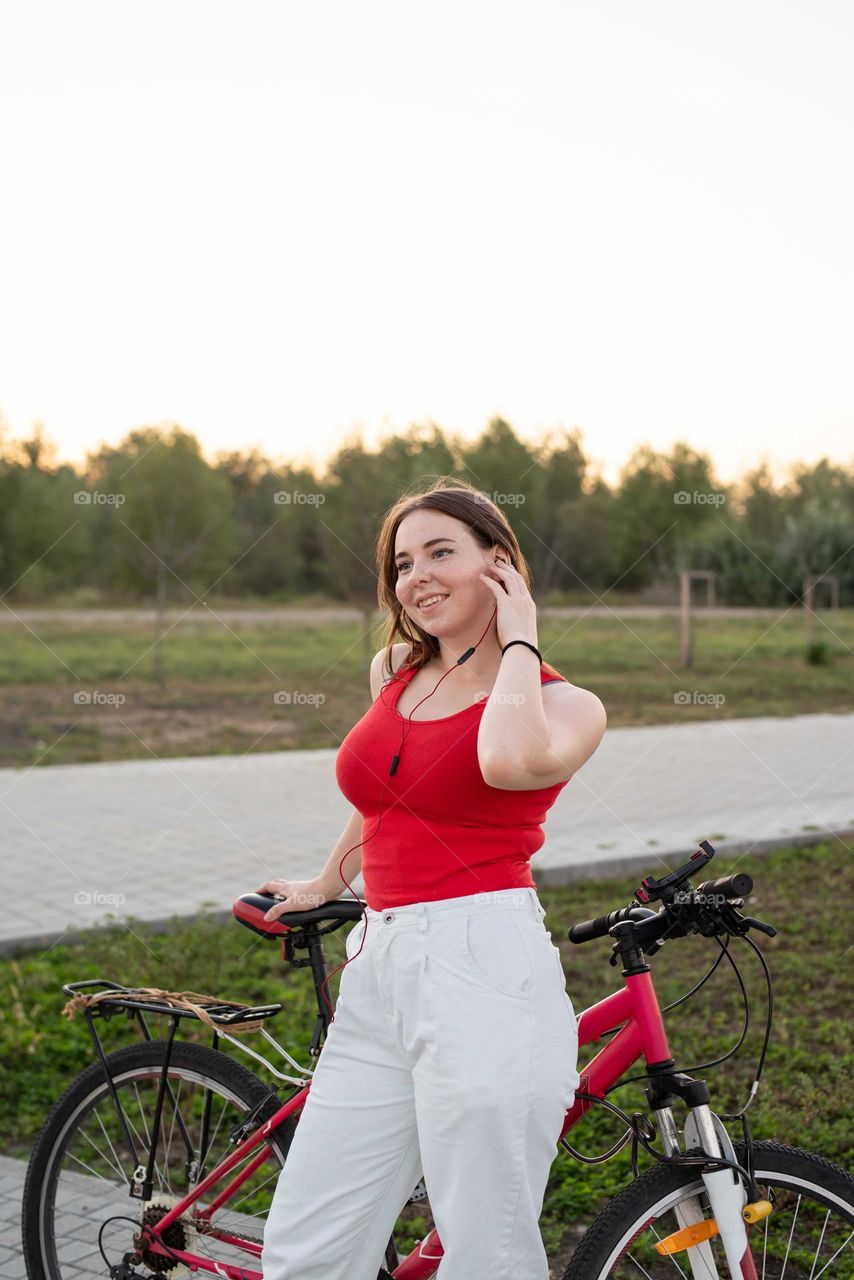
809	612
811	581
685	618
686	577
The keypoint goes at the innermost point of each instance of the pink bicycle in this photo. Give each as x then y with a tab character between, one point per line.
163	1155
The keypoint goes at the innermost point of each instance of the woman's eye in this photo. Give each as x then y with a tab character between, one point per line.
403	564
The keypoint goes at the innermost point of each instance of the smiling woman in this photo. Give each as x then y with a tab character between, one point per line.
452	948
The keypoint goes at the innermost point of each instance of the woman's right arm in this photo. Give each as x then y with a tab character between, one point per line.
301	895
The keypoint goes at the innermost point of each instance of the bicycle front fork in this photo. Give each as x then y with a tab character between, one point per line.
726	1192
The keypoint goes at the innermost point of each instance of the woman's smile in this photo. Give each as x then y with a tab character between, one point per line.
432	602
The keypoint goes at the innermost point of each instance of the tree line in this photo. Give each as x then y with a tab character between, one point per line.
152	518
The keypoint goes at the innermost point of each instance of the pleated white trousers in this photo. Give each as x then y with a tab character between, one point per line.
452	1056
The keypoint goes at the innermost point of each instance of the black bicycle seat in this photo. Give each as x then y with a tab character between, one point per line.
252	907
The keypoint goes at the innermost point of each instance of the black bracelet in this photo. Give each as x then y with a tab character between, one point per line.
527	646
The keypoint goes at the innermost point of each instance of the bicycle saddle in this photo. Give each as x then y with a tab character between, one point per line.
251	908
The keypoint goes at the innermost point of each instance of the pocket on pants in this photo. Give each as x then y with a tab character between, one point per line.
496	953
560	968
354	938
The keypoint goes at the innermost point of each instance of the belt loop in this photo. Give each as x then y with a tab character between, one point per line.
421	909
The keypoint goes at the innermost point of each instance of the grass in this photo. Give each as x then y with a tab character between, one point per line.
219	696
802	1098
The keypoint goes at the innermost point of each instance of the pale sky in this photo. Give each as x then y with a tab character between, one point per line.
273	223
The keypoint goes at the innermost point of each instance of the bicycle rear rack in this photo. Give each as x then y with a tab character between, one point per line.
225	1014
135	1002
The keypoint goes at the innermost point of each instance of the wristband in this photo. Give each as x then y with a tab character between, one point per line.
527	646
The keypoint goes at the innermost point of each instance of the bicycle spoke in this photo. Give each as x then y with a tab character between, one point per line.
835	1255
764	1248
639	1267
84	1165
116	1167
175	1101
213	1137
818	1246
255	1190
162	1185
670	1256
789	1241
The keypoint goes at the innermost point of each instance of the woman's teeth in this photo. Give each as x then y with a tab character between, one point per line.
427	607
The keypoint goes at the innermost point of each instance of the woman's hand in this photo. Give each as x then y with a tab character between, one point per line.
516	618
299	895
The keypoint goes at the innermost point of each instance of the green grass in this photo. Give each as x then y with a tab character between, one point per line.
219	695
802	1098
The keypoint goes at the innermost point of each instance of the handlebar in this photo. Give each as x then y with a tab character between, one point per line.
709	909
738	885
601	926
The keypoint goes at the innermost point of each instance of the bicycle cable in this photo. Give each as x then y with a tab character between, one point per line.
700	1066
637	1122
739	1115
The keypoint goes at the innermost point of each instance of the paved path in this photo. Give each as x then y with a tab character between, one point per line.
84	1202
154	838
167	836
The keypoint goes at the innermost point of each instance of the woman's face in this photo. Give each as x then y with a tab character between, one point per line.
447	568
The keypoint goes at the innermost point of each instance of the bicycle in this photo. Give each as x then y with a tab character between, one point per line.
711	1207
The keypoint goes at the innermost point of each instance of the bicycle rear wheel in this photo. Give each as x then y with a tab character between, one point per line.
809	1234
77	1179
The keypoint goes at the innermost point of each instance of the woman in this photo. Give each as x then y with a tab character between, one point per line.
453	1050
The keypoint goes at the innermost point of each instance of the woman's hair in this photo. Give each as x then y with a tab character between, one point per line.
489	526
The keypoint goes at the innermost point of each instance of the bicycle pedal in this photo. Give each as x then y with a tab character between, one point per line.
757	1211
688	1236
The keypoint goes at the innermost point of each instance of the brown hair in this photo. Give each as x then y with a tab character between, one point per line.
489	526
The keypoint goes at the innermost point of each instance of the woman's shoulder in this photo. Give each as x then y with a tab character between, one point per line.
380	673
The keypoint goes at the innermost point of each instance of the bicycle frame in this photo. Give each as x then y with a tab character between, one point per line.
642	1036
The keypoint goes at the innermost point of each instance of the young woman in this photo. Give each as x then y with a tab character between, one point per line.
452	1053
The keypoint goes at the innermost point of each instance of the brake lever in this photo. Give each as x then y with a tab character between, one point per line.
740	925
768	929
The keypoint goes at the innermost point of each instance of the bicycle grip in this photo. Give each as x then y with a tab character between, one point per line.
734	886
590	929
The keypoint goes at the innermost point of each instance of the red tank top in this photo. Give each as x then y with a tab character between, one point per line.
443	832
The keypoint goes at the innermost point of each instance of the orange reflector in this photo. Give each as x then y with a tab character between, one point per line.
696	1233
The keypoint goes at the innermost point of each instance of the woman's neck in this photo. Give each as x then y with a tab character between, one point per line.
481	667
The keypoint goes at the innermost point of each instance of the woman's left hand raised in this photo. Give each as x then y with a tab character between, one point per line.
517	614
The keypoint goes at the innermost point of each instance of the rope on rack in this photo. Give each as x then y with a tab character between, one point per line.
192	1001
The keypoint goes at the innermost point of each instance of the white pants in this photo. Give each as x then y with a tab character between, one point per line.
452	1057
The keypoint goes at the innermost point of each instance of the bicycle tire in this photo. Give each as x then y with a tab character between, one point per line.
625	1217
38	1205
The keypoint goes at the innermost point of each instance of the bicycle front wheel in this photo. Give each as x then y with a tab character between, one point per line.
78	1177
809	1234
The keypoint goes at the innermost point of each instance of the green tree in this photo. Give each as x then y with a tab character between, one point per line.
171	516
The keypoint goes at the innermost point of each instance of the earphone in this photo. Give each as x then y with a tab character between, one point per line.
398	675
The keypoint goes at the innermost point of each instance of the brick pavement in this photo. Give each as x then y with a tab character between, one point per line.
154	838
171	835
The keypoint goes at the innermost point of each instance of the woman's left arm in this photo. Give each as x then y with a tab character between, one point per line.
542	741
527	740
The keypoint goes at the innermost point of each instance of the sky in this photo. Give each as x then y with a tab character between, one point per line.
278	223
